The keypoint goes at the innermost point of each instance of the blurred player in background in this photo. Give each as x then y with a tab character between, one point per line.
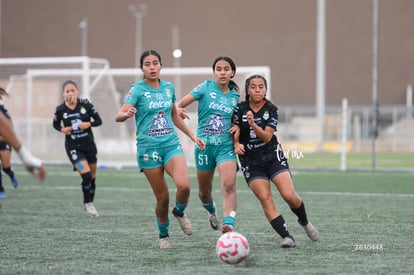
262	159
32	163
75	118
216	102
5	151
151	102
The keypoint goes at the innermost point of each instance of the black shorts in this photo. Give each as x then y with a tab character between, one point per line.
267	170
4	146
86	152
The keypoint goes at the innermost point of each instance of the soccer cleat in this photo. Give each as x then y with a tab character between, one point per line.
288	242
212	218
90	209
165	243
311	231
14	182
184	223
226	228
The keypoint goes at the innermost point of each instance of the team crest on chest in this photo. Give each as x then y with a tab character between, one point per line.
82	110
168	92
234	102
266	115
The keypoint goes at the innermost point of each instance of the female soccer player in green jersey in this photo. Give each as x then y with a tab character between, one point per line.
151	102
217	100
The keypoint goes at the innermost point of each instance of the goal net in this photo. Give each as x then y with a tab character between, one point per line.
35	88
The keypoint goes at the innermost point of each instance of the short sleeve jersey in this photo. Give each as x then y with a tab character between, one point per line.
215	110
268	115
153	119
83	112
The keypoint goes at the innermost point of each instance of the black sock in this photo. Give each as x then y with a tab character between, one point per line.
8	171
1	181
174	211
86	187
280	227
93	188
301	213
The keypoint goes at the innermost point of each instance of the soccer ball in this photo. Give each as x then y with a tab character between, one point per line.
232	248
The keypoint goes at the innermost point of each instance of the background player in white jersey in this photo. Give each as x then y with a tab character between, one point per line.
262	159
5	151
151	102
75	118
216	102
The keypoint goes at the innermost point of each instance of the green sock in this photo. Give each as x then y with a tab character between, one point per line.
179	208
229	220
210	207
163	228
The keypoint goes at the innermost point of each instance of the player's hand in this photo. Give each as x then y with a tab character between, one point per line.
239	148
39	173
235	132
182	113
84	125
66	130
32	163
250	118
200	143
131	112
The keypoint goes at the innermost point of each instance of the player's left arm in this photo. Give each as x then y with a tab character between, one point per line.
179	122
94	117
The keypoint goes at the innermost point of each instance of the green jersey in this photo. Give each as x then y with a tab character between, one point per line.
154	124
215	110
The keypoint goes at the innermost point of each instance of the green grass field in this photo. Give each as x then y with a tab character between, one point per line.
365	220
383	161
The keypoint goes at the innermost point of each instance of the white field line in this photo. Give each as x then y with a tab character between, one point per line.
311	193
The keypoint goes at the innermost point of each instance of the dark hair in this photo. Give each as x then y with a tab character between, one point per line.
232	65
3	92
67	82
247	83
147	53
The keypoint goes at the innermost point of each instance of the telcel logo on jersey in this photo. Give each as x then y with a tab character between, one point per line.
159	104
221	107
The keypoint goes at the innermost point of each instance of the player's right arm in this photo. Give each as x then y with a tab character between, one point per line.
57	123
126	111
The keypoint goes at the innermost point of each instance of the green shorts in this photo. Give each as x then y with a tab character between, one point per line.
150	158
209	158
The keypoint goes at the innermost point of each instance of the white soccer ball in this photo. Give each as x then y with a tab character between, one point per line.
232	248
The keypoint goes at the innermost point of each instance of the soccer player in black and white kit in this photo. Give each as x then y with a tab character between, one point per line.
5	151
75	119
262	159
